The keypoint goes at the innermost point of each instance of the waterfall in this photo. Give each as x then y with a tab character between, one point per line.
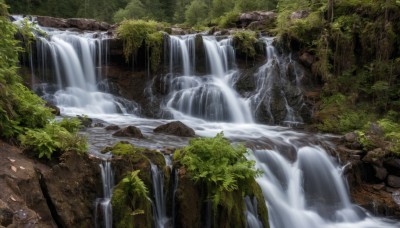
159	206
251	213
209	97
104	204
272	84
76	60
308	192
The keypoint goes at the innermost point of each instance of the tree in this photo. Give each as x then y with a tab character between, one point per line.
196	13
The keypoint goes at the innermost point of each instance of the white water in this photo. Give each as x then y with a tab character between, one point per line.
271	80
104	204
251	213
159	206
308	192
211	96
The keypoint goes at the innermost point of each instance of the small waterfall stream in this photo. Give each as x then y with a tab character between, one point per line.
159	206
104	216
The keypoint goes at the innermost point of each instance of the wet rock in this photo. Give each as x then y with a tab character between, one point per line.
6	214
393	166
78	23
177	31
350	137
393	181
175	128
54	109
112	128
85	121
98	125
130	131
52	22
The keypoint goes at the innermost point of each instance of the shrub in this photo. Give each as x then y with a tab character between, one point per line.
245	42
130	198
222	168
53	138
228	20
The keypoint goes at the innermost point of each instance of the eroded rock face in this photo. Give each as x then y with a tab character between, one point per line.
79	23
245	19
373	177
175	128
34	194
130	131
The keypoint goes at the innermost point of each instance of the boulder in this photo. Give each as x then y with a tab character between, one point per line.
375	157
52	22
307	59
112	127
85	121
175	128
130	131
54	109
393	181
380	172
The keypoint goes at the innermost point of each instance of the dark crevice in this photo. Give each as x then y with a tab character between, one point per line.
53	210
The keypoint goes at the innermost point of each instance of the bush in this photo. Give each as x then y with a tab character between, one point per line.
245	42
221	167
228	20
54	138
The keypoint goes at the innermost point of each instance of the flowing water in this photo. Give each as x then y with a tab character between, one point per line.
302	185
159	206
103	211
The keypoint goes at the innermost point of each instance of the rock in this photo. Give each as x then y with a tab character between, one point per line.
393	181
375	157
177	31
307	59
85	121
245	19
379	187
6	214
98	125
393	166
52	22
299	14
130	131
175	128
376	129
54	109
380	172
350	137
79	23
112	128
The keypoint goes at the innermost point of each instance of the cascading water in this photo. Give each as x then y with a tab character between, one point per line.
251	213
76	60
272	84
159	206
103	205
308	192
211	96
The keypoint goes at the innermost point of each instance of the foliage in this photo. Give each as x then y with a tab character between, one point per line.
196	12
129	199
154	42
134	33
54	138
222	168
228	20
245	42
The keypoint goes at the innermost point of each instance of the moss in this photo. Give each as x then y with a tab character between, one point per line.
254	190
133	33
245	43
228	20
154	42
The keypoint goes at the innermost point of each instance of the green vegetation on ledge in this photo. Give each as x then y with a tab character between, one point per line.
136	33
223	171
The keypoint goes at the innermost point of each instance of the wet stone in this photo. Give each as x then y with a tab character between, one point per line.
393	181
130	131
